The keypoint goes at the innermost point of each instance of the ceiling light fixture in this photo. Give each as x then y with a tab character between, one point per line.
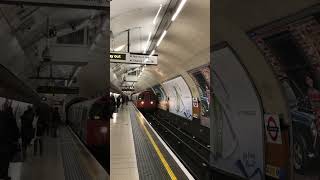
152	53
183	2
149	37
161	38
155	18
119	48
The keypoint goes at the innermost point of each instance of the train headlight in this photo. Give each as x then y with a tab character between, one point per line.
142	102
151	102
103	130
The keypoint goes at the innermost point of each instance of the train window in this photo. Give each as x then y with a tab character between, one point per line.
153	97
147	97
98	111
84	115
141	96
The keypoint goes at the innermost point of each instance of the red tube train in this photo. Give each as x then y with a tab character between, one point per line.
146	101
91	122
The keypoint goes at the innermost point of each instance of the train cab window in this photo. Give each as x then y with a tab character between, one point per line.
98	111
141	96
147	97
153	97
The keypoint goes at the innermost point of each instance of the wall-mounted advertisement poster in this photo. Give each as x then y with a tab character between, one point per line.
162	97
201	77
293	51
179	95
237	141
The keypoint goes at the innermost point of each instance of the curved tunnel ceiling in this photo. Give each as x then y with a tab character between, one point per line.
186	45
25	28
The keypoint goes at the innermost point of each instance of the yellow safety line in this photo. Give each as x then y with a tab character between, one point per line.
155	146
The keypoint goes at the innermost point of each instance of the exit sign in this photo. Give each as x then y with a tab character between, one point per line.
133	58
118	56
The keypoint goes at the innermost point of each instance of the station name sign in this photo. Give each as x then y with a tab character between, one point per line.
133	58
89	4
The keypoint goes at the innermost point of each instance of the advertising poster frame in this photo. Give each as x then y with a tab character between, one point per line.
261	168
168	95
201	91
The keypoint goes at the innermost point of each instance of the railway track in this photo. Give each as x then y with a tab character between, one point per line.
193	154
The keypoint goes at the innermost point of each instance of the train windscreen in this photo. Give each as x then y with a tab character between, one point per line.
98	111
141	96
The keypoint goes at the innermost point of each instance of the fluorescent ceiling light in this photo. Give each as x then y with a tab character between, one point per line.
152	52
183	2
149	37
155	18
119	48
161	38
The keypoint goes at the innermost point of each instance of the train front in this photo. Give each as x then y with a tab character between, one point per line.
147	101
98	133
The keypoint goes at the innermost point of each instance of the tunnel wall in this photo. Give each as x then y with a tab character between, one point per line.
194	90
267	86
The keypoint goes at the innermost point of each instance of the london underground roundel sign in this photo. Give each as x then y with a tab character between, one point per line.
272	128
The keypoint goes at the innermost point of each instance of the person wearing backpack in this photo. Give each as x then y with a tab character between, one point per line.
26	129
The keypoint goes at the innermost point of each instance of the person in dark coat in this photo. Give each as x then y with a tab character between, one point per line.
56	119
40	125
118	101
113	105
127	99
9	135
26	129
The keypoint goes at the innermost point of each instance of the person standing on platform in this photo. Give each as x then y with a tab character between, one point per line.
49	122
9	135
124	99
26	129
118	101
39	125
113	105
56	119
127	99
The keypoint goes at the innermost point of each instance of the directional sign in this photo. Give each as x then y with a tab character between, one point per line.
272	126
89	4
118	56
133	58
